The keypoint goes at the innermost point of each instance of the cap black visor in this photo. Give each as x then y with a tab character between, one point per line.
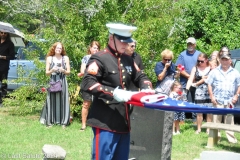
123	39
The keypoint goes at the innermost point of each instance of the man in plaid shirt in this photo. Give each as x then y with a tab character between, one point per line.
224	89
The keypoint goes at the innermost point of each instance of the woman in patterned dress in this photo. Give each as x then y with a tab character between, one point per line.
196	79
57	107
87	98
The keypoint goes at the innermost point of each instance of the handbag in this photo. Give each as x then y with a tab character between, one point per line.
165	86
55	86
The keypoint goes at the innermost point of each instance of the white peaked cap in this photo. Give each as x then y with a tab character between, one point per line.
121	29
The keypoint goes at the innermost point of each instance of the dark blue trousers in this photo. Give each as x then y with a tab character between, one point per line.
109	145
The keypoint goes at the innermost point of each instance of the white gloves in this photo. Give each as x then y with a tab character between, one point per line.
124	96
121	95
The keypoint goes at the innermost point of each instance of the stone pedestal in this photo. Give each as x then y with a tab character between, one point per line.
53	152
151	134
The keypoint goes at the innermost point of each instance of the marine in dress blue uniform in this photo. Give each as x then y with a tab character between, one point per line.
107	70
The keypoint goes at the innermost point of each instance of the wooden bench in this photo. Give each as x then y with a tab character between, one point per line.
213	131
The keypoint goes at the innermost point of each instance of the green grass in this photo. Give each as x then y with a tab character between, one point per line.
188	145
24	137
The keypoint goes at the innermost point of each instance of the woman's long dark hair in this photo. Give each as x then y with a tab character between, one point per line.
204	56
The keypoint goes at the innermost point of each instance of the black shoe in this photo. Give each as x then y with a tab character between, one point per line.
83	129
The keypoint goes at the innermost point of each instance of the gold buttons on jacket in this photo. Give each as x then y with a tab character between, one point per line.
107	102
121	64
123	70
113	71
100	88
123	77
106	89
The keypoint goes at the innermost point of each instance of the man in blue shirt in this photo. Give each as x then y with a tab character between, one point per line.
188	59
224	89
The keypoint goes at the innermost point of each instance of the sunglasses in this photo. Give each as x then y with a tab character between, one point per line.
132	46
4	33
200	61
167	60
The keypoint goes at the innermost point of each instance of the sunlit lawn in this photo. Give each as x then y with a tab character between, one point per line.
24	137
188	145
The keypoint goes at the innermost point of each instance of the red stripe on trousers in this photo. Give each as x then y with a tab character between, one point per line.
97	143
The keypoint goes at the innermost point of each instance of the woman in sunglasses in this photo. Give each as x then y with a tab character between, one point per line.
165	69
196	79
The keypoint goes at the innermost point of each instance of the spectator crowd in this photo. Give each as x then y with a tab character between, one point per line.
207	81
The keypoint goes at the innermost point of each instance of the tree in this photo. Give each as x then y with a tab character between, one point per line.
214	23
22	14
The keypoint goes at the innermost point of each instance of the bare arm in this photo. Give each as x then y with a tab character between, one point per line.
201	81
191	78
83	68
67	71
235	97
213	99
163	73
185	74
48	70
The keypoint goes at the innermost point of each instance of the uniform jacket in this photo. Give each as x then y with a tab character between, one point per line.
105	71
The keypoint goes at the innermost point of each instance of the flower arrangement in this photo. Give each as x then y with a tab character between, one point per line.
180	67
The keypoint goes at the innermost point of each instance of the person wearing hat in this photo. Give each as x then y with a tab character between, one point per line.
130	50
224	89
188	59
7	53
106	71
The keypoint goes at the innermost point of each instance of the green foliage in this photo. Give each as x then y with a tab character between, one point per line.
215	23
28	103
